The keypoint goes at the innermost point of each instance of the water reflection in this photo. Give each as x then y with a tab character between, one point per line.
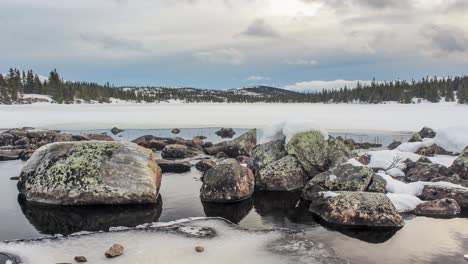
56	219
233	212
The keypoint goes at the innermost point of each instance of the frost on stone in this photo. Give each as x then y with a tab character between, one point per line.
175	242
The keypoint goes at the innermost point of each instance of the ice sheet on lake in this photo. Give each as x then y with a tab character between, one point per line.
175	243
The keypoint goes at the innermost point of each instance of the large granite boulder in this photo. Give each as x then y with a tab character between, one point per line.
265	154
460	165
435	192
227	182
240	146
357	209
421	171
315	153
285	174
344	177
177	151
445	208
94	172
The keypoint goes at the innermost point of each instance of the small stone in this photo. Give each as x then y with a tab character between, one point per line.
114	251
175	131
199	249
14	178
81	259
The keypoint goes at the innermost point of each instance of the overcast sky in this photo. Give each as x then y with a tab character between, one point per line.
299	44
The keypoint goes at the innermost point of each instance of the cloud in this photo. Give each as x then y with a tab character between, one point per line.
257	78
221	56
315	86
446	39
302	62
260	28
376	4
110	42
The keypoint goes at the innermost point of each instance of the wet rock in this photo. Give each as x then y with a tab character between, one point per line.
175	131
315	153
225	132
394	145
14	178
174	166
285	174
344	177
176	151
204	165
460	165
227	182
357	209
434	192
445	208
432	150
240	146
417	171
114	251
116	130
199	249
265	154
92	172
81	259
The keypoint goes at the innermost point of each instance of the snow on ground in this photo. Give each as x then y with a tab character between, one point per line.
453	139
38	96
289	128
332	117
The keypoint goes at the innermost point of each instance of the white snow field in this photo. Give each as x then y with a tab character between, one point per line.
333	117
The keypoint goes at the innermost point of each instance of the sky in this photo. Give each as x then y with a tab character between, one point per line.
220	44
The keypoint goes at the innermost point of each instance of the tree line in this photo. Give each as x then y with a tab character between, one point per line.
15	84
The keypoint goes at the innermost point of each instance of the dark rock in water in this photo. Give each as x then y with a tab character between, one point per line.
233	212
92	172
315	153
225	132
265	154
227	182
14	178
417	171
10	154
357	209
344	177
174	166
176	151
434	192
114	251
445	208
394	145
432	150
204	165
427	132
285	174
65	220
81	259
116	130
175	131
240	146
157	143
460	165
98	137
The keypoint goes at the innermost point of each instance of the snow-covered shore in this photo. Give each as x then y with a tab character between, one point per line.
333	117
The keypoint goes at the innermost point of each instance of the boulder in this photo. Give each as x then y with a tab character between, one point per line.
114	251
460	165
427	132
98	137
240	146
378	184
352	144
174	166
394	145
344	177
315	153
116	130
225	132
423	159
265	154
222	155
285	174
176	151
12	154
418	171
243	159
434	192
157	143
175	131
445	208
357	209
92	172
227	182
432	150
415	138
204	165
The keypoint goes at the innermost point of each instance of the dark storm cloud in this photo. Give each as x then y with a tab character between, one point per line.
110	42
260	28
446	39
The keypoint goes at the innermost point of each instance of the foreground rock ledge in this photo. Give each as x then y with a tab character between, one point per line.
93	172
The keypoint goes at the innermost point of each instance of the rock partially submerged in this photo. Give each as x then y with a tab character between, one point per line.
225	132
435	192
240	146
116	130
227	182
285	174
175	166
177	151
445	208
94	172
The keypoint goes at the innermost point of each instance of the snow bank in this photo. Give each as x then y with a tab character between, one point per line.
404	202
383	159
414	146
445	160
453	139
354	162
289	128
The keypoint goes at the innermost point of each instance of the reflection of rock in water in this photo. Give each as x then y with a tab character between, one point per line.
233	212
54	219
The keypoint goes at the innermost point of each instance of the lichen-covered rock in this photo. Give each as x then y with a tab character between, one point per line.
427	132
94	172
285	174
460	165
446	208
415	138
265	154
227	182
378	184
174	166
434	192
418	171
177	151
357	209
432	150
315	153
344	177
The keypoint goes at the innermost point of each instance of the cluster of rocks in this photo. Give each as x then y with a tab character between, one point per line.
21	143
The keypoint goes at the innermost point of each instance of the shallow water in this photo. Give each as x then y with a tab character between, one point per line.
422	240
